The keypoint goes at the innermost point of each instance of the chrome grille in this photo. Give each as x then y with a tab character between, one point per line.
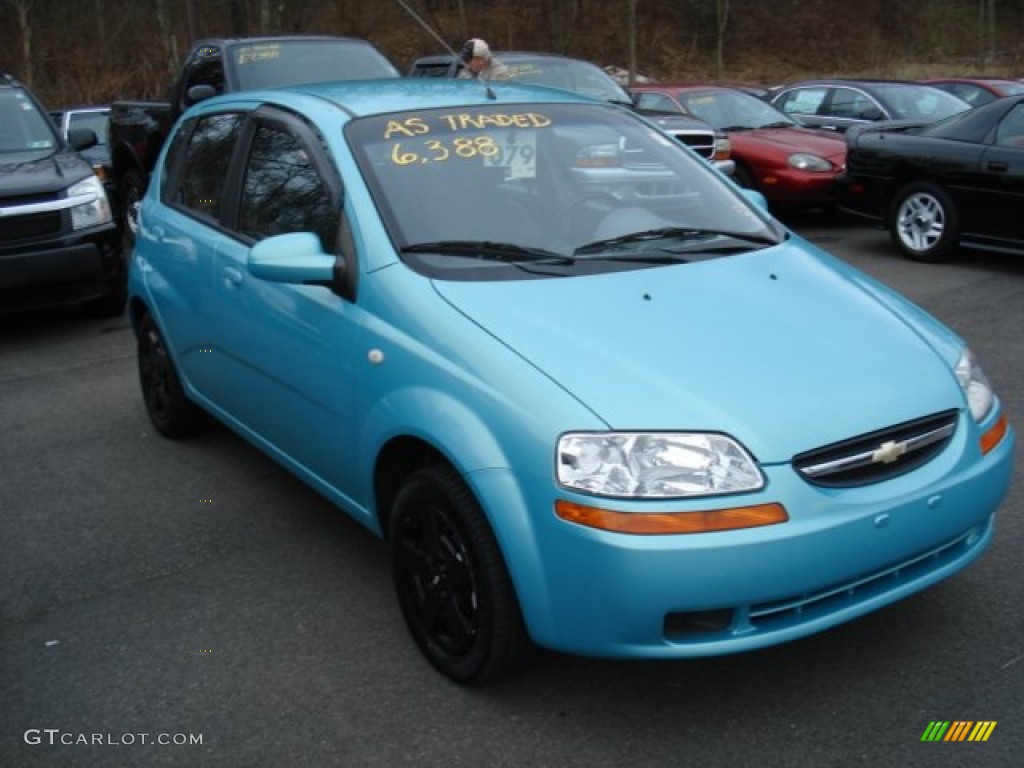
701	142
878	455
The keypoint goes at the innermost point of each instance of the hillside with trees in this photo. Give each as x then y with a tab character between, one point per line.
84	51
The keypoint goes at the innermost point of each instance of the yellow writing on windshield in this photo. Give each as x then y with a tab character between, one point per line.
413	126
252	53
417	126
465	121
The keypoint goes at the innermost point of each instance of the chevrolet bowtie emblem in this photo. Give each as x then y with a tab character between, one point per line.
888	452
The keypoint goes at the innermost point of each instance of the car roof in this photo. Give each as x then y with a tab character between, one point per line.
363	98
991	83
849	81
970	79
687	87
273	39
436	57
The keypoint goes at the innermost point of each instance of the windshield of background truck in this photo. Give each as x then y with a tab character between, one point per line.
289	62
23	127
556	178
567	74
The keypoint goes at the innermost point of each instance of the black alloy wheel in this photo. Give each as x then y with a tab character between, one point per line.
172	414
450	578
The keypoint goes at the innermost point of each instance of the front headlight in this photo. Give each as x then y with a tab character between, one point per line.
94	209
975	386
804	162
655	465
723	147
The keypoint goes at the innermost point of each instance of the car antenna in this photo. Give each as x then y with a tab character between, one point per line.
438	38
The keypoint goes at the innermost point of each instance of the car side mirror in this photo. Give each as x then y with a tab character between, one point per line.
82	138
871	113
201	92
296	258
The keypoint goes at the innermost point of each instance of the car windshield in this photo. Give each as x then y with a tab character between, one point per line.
728	110
552	183
919	102
569	75
23	128
287	62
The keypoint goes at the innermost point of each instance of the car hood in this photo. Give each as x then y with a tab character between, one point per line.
780	348
790	140
38	173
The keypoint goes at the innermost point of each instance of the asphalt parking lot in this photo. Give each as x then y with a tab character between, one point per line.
196	594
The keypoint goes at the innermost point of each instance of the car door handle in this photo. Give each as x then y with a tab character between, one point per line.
996	166
232	277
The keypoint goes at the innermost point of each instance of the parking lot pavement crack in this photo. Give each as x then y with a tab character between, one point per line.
32	615
15	377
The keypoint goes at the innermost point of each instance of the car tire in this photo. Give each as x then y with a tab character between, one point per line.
113	302
450	578
924	223
131	188
171	413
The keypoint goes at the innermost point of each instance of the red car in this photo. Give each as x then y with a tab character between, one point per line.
978	90
792	166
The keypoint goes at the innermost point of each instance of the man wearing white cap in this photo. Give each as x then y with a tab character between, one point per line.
476	55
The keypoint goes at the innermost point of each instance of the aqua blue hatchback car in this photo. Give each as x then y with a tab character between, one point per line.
593	397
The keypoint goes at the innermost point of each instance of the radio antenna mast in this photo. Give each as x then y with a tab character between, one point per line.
487	88
428	28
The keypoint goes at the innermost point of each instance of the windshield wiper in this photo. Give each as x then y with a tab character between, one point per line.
779	124
673	233
489	251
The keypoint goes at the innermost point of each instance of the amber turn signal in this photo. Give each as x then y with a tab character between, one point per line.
671	522
991	439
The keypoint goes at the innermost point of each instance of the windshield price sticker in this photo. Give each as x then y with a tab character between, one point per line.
251	53
415	141
517	152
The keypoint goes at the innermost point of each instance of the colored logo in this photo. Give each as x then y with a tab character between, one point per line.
958	730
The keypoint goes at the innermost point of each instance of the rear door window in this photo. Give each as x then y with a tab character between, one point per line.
204	155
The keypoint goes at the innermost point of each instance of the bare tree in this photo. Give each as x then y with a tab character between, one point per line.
631	34
987	29
722	22
22	8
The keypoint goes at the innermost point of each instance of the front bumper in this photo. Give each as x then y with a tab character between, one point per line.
790	187
842	554
69	270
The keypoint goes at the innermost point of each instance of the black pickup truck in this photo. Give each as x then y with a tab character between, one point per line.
214	66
